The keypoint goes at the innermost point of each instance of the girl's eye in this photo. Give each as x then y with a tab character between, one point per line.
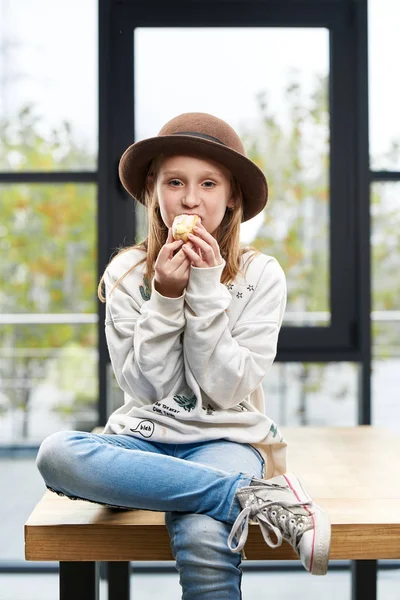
174	182
209	183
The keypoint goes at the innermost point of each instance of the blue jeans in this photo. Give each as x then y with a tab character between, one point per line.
194	484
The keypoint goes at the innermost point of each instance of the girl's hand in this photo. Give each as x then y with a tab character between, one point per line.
206	251
171	270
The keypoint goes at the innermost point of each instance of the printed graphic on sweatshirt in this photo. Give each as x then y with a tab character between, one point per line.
145	428
164	409
145	290
186	403
274	430
209	410
240	295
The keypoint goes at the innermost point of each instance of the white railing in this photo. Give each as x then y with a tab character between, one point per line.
72	318
46	318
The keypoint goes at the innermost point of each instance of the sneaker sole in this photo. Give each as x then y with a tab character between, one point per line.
322	529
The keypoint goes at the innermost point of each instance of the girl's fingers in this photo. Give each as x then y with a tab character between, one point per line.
204	247
177	261
174	244
169	248
180	256
202	233
194	258
183	269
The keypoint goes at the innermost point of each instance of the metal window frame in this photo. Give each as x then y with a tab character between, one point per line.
296	343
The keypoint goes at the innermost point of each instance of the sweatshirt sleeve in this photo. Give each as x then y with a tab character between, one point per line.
229	365
144	341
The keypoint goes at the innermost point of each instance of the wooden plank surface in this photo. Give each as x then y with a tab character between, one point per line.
352	473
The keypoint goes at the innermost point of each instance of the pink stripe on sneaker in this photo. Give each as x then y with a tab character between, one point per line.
312	516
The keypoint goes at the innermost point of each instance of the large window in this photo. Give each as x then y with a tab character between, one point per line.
283	78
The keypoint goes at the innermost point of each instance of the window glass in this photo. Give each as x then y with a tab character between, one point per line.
385	239
48	95
48	310
315	394
384	83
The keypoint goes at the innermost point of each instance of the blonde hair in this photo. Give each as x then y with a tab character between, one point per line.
227	236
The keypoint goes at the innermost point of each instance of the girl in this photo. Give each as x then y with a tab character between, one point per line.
192	329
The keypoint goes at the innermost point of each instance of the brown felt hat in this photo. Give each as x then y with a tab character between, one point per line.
202	135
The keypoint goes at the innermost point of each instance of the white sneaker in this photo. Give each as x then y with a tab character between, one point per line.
281	505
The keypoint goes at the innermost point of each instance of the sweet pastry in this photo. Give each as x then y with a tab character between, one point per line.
183	225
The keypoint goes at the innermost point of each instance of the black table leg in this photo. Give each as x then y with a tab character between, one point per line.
118	580
79	581
364	579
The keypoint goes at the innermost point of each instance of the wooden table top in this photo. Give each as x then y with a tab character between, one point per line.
353	473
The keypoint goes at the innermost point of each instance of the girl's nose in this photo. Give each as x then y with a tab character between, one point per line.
191	199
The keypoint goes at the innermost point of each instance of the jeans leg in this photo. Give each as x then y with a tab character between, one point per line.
208	570
126	471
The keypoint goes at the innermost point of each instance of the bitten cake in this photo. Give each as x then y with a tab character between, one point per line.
183	225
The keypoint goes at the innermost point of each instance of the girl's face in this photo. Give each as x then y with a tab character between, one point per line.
190	185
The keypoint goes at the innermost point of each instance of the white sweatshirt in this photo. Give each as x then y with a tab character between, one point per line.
191	367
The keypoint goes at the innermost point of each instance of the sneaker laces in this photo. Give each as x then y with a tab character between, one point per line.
257	511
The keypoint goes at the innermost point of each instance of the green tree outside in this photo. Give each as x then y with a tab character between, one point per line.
48	246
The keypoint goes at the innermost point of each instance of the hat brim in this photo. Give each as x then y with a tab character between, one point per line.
135	160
